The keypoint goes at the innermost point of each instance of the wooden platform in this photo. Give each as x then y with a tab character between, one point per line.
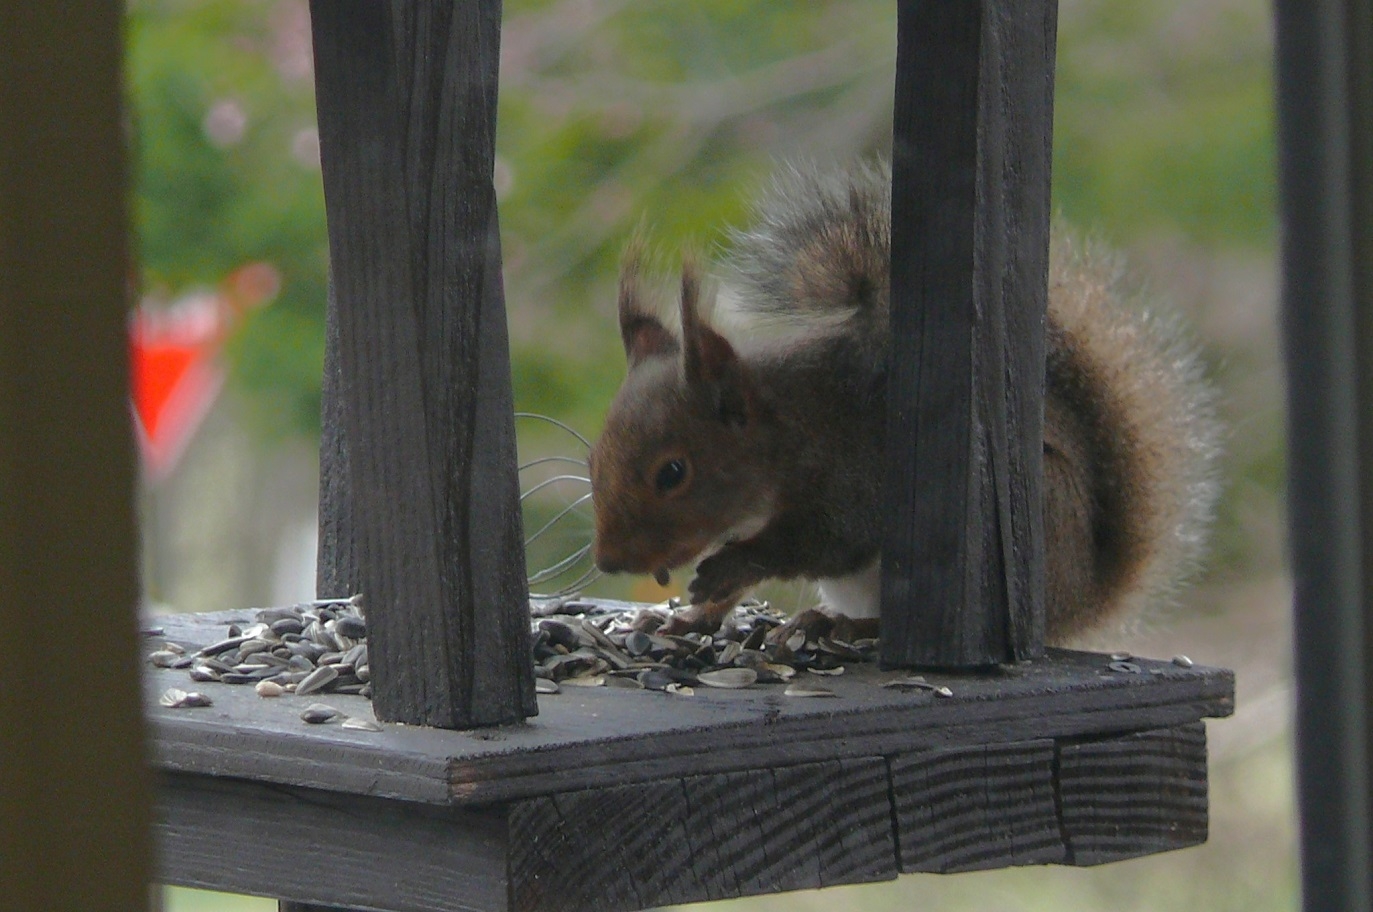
624	799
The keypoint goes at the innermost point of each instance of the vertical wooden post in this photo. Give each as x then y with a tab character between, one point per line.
963	565
74	786
1325	127
420	507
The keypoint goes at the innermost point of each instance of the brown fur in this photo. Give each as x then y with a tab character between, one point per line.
780	428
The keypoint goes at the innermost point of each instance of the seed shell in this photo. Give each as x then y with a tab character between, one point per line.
355	723
804	689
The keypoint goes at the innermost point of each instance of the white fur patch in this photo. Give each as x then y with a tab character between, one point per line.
858	595
739	323
744	529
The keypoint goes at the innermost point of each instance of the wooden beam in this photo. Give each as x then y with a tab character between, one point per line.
963	564
621	798
420	511
74	793
323	850
603	736
1325	127
768	824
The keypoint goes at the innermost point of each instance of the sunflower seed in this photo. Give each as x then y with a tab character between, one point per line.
545	686
804	689
175	698
355	628
269	689
656	679
163	658
287	625
729	678
356	724
317	680
319	713
233	642
638	643
1182	661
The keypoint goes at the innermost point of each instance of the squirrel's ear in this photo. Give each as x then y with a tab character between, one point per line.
711	364
643	334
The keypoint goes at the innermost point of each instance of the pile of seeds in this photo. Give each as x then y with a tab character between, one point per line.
315	647
320	647
586	644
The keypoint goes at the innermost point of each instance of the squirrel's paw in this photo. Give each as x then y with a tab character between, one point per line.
815	623
723	576
697	618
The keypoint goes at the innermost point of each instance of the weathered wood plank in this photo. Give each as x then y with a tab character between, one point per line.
329	849
695	838
963	532
703	838
980	807
429	511
1133	795
599	737
74	788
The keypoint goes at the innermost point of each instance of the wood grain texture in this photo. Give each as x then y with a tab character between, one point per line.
621	799
973	808
1133	795
74	786
597	737
328	850
963	571
702	838
429	512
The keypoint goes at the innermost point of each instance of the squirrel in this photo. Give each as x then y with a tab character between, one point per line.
749	435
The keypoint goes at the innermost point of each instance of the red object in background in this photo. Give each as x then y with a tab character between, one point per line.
174	359
175	376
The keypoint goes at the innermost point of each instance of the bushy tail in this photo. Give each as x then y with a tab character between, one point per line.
815	255
815	260
1150	419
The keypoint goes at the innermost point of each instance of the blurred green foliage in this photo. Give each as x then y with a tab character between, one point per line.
666	112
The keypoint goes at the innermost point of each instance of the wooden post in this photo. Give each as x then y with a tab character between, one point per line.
420	507
74	785
1325	120
963	565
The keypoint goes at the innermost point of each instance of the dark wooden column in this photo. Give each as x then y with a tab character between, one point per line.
963	567
1325	120
74	781
420	505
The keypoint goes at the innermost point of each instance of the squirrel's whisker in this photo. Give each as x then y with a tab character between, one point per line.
561	566
556	423
554	480
561	513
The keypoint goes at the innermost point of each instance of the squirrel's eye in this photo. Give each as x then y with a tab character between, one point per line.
670	475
